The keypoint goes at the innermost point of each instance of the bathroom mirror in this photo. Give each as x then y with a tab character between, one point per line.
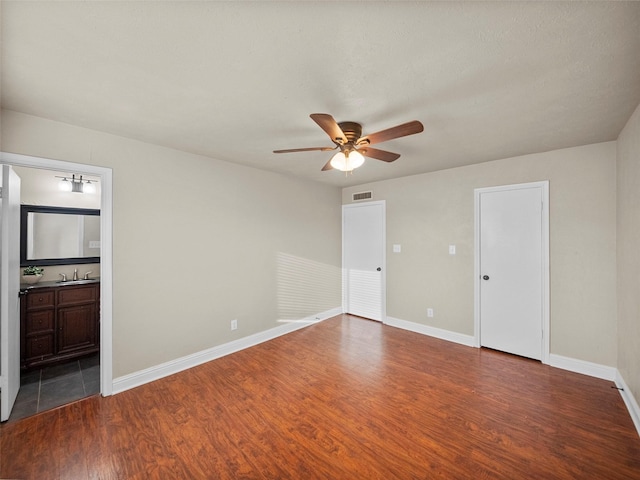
59	235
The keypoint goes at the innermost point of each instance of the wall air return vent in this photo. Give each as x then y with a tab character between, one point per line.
362	196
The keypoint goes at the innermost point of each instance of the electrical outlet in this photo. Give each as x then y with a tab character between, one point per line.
429	312
234	324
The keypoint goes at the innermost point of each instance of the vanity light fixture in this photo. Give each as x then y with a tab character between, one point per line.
77	185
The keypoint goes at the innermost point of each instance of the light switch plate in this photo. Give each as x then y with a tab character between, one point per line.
452	249
397	248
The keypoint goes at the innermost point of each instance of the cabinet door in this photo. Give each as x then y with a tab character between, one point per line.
77	328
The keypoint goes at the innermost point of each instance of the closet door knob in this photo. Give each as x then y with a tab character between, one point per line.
485	277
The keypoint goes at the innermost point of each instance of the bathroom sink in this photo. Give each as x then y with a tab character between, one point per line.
77	282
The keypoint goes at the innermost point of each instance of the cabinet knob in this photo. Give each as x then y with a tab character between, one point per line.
40	299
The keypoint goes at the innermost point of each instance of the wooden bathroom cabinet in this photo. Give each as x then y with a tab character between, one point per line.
58	322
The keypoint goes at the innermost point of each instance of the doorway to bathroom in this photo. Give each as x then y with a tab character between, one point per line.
70	377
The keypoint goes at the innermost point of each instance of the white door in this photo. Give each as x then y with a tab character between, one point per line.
363	241
512	268
9	288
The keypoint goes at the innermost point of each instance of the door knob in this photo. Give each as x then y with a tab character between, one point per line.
485	277
379	269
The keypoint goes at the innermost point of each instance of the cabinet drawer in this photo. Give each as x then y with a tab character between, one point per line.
39	346
37	299
74	295
40	321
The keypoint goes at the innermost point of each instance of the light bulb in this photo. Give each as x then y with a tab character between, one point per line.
89	187
64	185
347	162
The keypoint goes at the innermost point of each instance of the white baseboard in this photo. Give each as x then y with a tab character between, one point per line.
583	367
156	372
558	361
629	400
448	335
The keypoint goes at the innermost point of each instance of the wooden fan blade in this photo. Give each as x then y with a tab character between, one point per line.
379	154
310	149
327	166
329	125
409	128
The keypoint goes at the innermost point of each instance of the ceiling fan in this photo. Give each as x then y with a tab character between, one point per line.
347	136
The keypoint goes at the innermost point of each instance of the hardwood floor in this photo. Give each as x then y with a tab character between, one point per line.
347	398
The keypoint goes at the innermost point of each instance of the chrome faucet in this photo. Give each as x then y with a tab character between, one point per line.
75	274
64	277
86	275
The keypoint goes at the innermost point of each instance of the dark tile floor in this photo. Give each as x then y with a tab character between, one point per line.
53	386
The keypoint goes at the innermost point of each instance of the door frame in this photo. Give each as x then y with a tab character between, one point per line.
383	280
106	249
544	186
9	298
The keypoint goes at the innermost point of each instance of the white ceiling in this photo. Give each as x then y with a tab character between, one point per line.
236	80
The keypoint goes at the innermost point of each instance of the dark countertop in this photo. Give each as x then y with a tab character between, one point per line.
56	283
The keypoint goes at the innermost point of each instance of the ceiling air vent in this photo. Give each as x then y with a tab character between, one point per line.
362	196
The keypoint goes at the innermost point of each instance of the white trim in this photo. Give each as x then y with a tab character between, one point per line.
383	280
106	250
629	400
106	284
476	268
558	361
157	372
581	366
447	335
544	185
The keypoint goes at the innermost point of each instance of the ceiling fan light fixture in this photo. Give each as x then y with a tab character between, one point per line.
347	136
347	161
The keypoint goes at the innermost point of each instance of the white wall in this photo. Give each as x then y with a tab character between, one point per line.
628	220
426	213
198	242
